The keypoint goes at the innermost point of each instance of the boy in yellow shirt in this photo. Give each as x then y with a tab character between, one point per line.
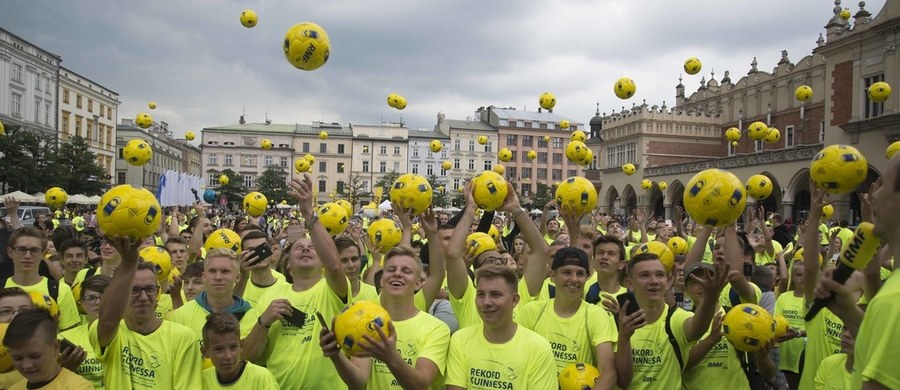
33	345
222	345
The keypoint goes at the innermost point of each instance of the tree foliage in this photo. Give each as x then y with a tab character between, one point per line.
441	198
33	162
81	173
542	196
354	190
273	184
234	191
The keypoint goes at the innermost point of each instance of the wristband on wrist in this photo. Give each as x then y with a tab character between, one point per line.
518	213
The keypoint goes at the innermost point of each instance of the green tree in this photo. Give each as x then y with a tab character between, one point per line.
273	184
28	161
354	191
386	182
459	200
82	175
542	196
441	198
234	191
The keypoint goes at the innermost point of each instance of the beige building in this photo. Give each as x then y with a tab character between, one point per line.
28	85
422	161
465	153
378	150
334	157
89	110
167	154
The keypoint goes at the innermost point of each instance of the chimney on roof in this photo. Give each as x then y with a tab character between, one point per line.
241	121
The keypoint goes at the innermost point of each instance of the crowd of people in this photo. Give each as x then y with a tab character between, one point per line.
86	310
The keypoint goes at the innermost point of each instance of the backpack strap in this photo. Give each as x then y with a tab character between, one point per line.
671	336
734	298
90	272
53	289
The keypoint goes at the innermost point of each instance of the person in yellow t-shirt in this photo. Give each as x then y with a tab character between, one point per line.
577	330
222	346
91	291
261	277
220	273
459	287
608	262
34	348
645	357
192	280
178	249
286	325
139	350
25	247
349	256
835	372
412	352
790	306
498	353
13	301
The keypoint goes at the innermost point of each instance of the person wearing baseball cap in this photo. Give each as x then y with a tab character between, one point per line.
569	322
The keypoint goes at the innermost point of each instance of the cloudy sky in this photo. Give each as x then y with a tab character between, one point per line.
203	68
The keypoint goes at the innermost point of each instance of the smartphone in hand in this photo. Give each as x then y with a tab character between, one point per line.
322	321
262	252
632	303
297	317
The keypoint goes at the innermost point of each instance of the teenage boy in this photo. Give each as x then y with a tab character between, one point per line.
222	345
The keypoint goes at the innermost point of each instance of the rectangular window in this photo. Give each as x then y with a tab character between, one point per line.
543	126
47	113
471	146
429	170
557	174
789	136
526	173
542	143
323	185
515	153
323	148
66	96
871	109
213	159
455	184
573	172
340	187
524	156
65	123
511	173
542	157
527	141
248	180
120	177
341	149
284	162
306	147
37	110
396	150
90	105
323	166
15	105
471	164
383	149
488	164
89	130
77	100
487	147
415	152
529	125
822	132
17	72
512	140
340	167
456	145
37	83
542	173
382	167
758	145
109	113
248	161
455	163
557	143
268	160
365	167
78	125
557	158
731	149
396	166
415	168
228	159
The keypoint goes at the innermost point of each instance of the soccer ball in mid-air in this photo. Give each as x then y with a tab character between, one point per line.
266	143
393	100
401	103
56	197
629	169
323	135
223	179
499	168
578	194
678	245
482	140
892	150
666	257
576	151
782	326
624	88
189	136
412	192
838	169
646	184
587	158
161	260
733	134
255	204
152	105
143	120
879	92
479	243
249	18
773	136
692	66
306	46
803	93
446	165
504	154
564	124
436	146
384	234
662	185
210	196
489	190
748	327
46	302
532	154
827	211
348	207
137	152
758	131
358	319
578	376
578	135
759	187
715	197
333	217
128	212
223	238
547	101
301	165
309	158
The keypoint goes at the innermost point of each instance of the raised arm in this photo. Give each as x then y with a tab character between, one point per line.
12	209
695	254
405	224
712	285
301	189
811	244
457	277
536	268
436	270
761	223
733	256
197	233
112	310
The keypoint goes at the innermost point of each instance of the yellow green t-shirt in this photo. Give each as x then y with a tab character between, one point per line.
366	292
167	358
878	343
253	292
789	352
725	296
252	377
467	312
420	337
573	339
823	234
832	374
764	258
720	368
193	316
91	368
655	364
66	380
823	339
293	354
68	311
523	362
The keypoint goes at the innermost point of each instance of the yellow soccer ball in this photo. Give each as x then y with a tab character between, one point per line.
629	169
803	93
692	66
333	217
782	326
2	129
759	187
662	185
6	364
480	242
45	302
499	168
576	151
838	169
504	154
624	88
879	92
137	152
758	131
306	46
249	18
255	204
346	205
678	245
412	192
546	138
358	319
827	211
532	154
143	120
578	376
189	136
564	124
161	260
223	180
578	135
892	149
666	257
265	143
482	140
128	212
436	146
489	190
578	194
547	101
401	104
446	165
587	158
845	14
223	238
748	327
152	105
384	234
734	144
733	134
774	136
323	135
715	197
310	158
646	184
393	100
56	197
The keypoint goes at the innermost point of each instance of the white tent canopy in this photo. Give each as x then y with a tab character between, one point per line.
94	199
40	198
20	196
385	206
79	199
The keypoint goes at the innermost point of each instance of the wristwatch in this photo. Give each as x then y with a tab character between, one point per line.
311	220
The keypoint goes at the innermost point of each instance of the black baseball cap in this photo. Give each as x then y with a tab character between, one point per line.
570	256
697	268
